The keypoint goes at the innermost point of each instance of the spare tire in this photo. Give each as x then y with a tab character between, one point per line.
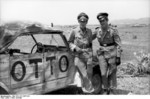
97	82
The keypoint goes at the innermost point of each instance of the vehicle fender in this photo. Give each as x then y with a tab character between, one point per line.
3	86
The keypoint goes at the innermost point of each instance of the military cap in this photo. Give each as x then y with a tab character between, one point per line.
102	16
83	19
83	16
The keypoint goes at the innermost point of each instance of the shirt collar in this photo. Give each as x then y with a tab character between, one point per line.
108	30
79	29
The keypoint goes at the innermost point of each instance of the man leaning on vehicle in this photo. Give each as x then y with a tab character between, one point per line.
110	45
80	42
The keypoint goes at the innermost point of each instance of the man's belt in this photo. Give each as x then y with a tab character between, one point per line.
84	47
105	45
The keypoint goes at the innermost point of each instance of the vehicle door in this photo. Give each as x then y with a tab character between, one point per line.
26	67
59	63
49	63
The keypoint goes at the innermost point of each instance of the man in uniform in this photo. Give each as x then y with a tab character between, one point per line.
110	44
80	42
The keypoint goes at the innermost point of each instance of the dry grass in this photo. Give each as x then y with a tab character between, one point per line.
135	85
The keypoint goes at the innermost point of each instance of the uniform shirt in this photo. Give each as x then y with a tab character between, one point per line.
110	37
82	39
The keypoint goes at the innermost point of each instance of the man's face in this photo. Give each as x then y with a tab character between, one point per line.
103	22
82	24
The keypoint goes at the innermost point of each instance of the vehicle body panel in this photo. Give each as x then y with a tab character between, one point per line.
4	71
23	72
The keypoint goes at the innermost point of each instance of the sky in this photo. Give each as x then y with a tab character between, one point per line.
65	12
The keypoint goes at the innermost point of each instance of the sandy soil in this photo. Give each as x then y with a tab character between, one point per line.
127	85
134	85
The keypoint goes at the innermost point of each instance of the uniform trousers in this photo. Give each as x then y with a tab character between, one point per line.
108	68
84	67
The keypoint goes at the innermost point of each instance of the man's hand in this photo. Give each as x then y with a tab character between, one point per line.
103	49
79	50
119	49
85	50
72	46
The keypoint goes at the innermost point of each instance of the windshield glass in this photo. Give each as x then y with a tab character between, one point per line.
23	43
26	43
50	39
7	37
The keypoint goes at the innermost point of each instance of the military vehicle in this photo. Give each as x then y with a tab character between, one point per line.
37	60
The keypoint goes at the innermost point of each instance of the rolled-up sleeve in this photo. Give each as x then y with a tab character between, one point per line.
71	37
71	41
94	35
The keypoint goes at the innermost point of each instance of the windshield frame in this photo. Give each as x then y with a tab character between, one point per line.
4	46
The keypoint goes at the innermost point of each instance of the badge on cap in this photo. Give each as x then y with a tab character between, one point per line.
101	18
83	19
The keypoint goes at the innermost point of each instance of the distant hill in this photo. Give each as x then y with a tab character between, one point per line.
21	25
129	22
145	21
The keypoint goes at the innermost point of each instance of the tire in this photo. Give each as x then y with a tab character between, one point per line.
97	83
3	91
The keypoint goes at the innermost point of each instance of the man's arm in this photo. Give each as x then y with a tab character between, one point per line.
72	46
117	38
94	35
118	42
71	40
71	37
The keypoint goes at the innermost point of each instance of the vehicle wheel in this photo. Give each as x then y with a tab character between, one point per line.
97	83
3	91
